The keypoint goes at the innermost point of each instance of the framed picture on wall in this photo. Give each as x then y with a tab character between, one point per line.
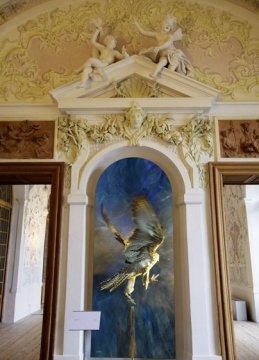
237	138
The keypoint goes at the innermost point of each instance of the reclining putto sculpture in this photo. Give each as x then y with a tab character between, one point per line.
105	54
165	53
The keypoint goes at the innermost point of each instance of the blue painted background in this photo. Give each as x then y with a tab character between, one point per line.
154	312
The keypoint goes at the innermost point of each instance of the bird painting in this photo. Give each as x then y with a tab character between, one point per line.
139	249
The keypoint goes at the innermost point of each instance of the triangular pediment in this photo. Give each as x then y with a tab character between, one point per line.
129	80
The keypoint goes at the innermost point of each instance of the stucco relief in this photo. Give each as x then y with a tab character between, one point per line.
36	213
239	138
136	88
195	138
27	139
251	5
44	52
12	8
236	232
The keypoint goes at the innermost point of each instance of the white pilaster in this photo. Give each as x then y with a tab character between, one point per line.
193	204
73	340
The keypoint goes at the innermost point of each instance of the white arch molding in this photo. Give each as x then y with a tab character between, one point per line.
194	339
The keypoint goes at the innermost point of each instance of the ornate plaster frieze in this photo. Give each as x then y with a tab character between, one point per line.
71	136
195	138
45	52
12	8
251	5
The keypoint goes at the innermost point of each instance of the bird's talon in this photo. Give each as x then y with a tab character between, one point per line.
130	299
154	277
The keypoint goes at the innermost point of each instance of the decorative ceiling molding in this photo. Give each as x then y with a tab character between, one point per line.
39	54
12	8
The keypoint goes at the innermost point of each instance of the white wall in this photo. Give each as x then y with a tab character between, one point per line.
25	257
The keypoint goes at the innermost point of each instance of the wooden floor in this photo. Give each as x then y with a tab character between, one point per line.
21	341
247	340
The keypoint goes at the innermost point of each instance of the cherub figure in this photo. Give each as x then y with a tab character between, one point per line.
165	53
106	55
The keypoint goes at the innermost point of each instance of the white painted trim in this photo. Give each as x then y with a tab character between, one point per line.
150	105
236	109
28	112
223	110
69	357
207	357
150	150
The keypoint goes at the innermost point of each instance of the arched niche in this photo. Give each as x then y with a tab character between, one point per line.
188	237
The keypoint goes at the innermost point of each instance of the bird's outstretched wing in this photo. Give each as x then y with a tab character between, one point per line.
148	232
146	221
113	229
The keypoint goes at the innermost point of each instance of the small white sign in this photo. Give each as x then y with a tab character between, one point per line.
85	320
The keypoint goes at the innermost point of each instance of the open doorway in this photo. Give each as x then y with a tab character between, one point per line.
37	280
23	244
233	186
5	219
241	213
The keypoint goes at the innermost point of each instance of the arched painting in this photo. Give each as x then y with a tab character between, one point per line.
133	223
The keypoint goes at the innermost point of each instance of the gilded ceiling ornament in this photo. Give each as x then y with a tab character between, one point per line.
13	7
39	55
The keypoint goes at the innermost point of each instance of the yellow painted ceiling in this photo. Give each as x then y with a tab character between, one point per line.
43	42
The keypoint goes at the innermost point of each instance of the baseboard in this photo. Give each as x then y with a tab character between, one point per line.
68	357
194	357
207	357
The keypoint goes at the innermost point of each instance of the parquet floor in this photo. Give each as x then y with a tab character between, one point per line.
21	341
247	340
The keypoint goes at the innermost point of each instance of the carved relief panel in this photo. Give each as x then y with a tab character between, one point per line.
27	139
237	232
239	138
